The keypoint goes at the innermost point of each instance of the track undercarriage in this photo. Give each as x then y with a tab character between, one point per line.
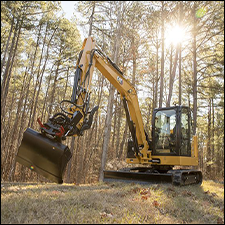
146	175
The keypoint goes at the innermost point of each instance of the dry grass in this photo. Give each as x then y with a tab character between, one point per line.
111	203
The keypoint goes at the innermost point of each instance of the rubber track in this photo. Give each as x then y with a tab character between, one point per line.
176	177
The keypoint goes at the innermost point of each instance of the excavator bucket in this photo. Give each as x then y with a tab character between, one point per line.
43	155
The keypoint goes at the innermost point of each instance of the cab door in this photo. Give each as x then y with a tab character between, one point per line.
185	133
171	131
165	129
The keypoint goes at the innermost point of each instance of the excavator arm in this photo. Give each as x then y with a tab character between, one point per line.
91	57
44	152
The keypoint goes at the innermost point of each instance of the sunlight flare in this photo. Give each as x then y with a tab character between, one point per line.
176	34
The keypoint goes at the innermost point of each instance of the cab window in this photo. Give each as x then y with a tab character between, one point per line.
165	132
185	146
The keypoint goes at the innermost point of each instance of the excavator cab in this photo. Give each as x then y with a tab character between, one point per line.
171	131
172	145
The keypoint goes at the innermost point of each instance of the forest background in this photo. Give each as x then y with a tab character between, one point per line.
39	49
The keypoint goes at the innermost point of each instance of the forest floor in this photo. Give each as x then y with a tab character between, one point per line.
115	202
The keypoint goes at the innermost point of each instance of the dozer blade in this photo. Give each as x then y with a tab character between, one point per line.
136	177
43	155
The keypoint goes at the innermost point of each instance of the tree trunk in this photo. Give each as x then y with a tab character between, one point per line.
80	158
123	141
46	95
6	137
42	73
213	140
118	128
15	131
6	72
7	45
107	129
134	59
91	19
155	100
22	126
115	118
69	165
54	84
35	87
162	59
39	82
180	87
9	66
172	77
209	149
180	44
194	73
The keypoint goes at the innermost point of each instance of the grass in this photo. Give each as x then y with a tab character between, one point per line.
101	203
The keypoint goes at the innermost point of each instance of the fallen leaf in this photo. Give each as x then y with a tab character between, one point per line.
186	193
214	194
135	190
55	192
144	197
162	211
110	215
155	186
174	194
105	214
134	199
220	221
144	192
155	204
171	189
206	203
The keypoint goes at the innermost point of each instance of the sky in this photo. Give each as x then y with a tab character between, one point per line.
68	8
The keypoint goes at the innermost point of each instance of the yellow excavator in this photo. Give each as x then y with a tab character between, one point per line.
171	143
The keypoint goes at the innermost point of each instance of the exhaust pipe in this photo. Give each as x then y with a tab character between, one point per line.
45	156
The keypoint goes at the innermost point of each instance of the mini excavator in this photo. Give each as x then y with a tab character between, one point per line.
171	143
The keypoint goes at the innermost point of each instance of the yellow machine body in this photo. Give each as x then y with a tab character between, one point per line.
143	150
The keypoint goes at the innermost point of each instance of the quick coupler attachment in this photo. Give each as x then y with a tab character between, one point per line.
45	156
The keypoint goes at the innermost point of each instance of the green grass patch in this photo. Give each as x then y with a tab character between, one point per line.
27	203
